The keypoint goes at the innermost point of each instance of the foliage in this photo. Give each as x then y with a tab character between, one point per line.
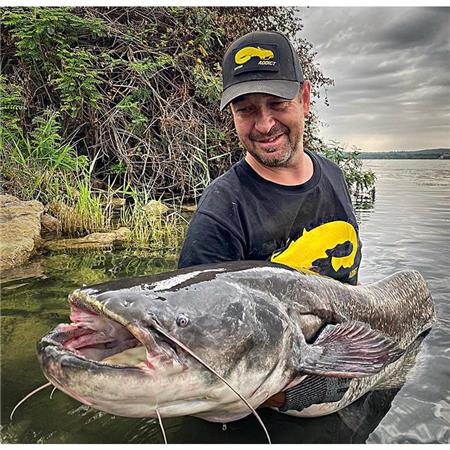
358	180
431	153
34	163
11	107
76	82
149	228
139	87
37	31
79	208
46	43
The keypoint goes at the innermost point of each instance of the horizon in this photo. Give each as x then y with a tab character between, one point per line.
415	150
444	149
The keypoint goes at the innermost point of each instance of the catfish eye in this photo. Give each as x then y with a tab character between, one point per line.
182	320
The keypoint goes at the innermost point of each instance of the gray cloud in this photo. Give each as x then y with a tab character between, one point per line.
414	27
391	73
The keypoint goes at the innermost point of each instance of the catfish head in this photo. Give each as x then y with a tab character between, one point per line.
164	342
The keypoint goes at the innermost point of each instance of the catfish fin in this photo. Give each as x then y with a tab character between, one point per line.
351	349
398	377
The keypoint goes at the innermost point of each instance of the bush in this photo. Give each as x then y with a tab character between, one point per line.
136	88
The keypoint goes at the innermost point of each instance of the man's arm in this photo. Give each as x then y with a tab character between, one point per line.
208	241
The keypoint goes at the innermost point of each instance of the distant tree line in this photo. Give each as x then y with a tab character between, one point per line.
435	153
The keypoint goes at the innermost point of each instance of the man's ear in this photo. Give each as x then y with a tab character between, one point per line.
305	92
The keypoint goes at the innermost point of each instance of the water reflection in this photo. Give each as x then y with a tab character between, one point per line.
364	204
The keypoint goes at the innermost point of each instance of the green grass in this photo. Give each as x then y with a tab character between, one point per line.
158	226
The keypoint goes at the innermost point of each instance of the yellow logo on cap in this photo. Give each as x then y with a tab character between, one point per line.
247	53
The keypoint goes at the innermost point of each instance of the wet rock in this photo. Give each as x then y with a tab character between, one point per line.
30	269
155	208
116	238
20	230
117	203
49	226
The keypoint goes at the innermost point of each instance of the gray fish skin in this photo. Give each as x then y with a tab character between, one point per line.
254	323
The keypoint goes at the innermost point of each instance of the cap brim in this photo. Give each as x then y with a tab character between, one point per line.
280	88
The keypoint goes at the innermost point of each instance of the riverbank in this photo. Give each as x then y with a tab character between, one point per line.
27	228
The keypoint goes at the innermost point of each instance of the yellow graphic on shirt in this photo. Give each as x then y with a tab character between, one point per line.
247	53
313	245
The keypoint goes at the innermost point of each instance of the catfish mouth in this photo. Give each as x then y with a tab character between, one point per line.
94	336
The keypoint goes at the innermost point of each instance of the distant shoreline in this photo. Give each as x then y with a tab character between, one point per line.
434	153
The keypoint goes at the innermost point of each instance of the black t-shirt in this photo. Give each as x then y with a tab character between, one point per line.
242	216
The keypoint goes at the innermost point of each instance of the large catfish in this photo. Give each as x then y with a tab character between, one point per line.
198	341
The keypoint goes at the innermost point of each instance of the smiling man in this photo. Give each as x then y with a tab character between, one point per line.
281	202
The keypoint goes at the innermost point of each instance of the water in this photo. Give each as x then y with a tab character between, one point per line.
407	227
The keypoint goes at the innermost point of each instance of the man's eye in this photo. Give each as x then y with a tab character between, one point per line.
279	105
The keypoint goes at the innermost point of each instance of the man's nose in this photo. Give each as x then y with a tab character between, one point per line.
264	121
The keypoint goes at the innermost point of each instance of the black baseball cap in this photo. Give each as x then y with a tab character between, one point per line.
260	62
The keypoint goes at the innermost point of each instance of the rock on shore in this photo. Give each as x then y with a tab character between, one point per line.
20	230
94	240
24	228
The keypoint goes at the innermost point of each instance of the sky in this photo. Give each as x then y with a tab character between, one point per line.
391	72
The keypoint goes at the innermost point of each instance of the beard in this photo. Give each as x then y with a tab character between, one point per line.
266	160
286	150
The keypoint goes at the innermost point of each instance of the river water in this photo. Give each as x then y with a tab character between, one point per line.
407	227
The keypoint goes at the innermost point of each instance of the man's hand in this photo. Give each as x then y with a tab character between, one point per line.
276	401
314	389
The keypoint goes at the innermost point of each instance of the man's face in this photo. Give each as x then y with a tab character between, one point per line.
271	128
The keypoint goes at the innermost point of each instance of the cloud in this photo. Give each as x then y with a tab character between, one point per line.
411	28
390	67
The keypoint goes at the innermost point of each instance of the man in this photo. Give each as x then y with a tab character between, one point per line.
281	202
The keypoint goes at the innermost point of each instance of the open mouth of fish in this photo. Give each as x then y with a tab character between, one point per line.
94	336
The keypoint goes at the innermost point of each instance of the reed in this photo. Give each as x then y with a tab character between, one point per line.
153	224
79	208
